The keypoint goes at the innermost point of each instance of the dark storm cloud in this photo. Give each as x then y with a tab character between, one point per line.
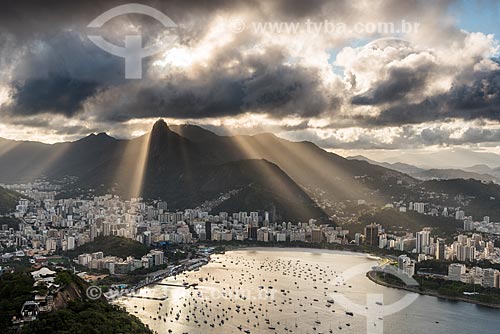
30	19
190	100
474	100
480	98
286	90
399	83
60	68
52	68
58	74
289	91
33	19
71	54
430	109
298	9
58	95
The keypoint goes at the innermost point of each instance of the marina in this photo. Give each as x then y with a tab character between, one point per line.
286	291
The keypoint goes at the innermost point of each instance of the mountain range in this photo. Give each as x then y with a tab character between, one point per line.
479	172
444	158
189	166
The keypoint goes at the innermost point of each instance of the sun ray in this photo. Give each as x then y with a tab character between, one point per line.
313	169
130	173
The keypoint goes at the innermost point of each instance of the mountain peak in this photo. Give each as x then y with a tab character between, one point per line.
160	124
100	137
160	128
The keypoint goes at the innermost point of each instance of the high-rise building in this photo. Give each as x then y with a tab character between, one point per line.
419	207
106	229
223	216
147	238
254	216
158	257
445	212
252	232
440	249
317	235
371	234
93	232
382	241
208	230
406	265
71	243
462	239
162	206
455	271
468	224
423	240
401	260
466	253
84	259
490	278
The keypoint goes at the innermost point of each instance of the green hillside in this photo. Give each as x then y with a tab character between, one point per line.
8	200
112	246
86	317
395	221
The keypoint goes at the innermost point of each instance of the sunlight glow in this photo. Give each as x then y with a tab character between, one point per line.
129	175
183	56
4	96
178	57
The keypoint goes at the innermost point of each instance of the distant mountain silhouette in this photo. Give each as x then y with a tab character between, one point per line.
446	174
399	166
479	168
477	172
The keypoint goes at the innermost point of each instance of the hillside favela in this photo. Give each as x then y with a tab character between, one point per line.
220	167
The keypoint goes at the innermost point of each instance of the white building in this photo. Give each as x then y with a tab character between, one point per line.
423	240
490	278
71	243
419	207
406	265
455	271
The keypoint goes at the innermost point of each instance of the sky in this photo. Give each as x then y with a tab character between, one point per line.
379	78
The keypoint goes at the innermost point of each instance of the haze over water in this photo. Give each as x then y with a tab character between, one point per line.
294	290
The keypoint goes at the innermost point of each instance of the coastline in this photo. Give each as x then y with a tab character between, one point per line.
299	246
302	249
371	276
